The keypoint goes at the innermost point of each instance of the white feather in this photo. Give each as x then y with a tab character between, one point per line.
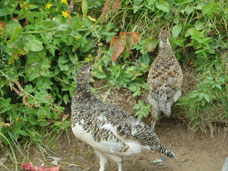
110	146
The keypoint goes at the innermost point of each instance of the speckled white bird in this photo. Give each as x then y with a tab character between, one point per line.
165	79
107	128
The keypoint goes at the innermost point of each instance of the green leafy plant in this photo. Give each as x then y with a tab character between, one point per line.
208	103
42	44
142	110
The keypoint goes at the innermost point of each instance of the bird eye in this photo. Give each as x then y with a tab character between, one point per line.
91	69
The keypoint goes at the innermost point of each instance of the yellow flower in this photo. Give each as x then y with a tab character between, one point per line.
48	6
76	38
64	1
65	13
56	9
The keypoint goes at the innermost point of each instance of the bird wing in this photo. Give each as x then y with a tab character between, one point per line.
136	134
164	80
94	129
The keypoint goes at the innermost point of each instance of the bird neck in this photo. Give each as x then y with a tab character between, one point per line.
165	49
83	91
165	44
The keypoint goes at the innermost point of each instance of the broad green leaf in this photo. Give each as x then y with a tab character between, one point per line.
44	83
63	67
33	76
30	17
62	27
176	30
162	5
16	35
151	2
179	42
200	5
63	59
32	43
143	59
135	8
32	57
211	8
5	11
151	44
199	25
66	98
76	23
21	132
45	65
189	9
43	123
109	37
195	34
73	58
12	26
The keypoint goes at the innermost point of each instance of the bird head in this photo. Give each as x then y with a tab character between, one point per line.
164	38
84	74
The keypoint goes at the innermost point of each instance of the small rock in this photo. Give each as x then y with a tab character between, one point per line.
42	164
70	165
183	152
158	160
55	160
225	166
184	160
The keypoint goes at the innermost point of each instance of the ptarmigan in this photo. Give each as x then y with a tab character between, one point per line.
165	79
107	128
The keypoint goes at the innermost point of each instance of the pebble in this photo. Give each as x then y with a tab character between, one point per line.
42	164
225	166
184	160
158	160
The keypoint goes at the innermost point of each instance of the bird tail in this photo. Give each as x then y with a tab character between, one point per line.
166	108
162	149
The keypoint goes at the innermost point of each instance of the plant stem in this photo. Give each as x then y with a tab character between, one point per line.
39	31
107	93
11	148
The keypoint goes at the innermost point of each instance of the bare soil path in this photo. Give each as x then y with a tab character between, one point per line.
198	152
194	152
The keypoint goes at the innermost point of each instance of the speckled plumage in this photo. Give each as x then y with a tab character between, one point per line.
165	79
107	128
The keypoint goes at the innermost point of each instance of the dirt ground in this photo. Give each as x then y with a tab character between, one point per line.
194	151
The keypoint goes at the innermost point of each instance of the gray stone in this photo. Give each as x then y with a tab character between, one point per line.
225	166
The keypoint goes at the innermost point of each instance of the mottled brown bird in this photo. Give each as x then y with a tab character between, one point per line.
108	129
165	79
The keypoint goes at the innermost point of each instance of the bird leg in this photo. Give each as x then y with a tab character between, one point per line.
155	112
120	165
116	159
103	160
